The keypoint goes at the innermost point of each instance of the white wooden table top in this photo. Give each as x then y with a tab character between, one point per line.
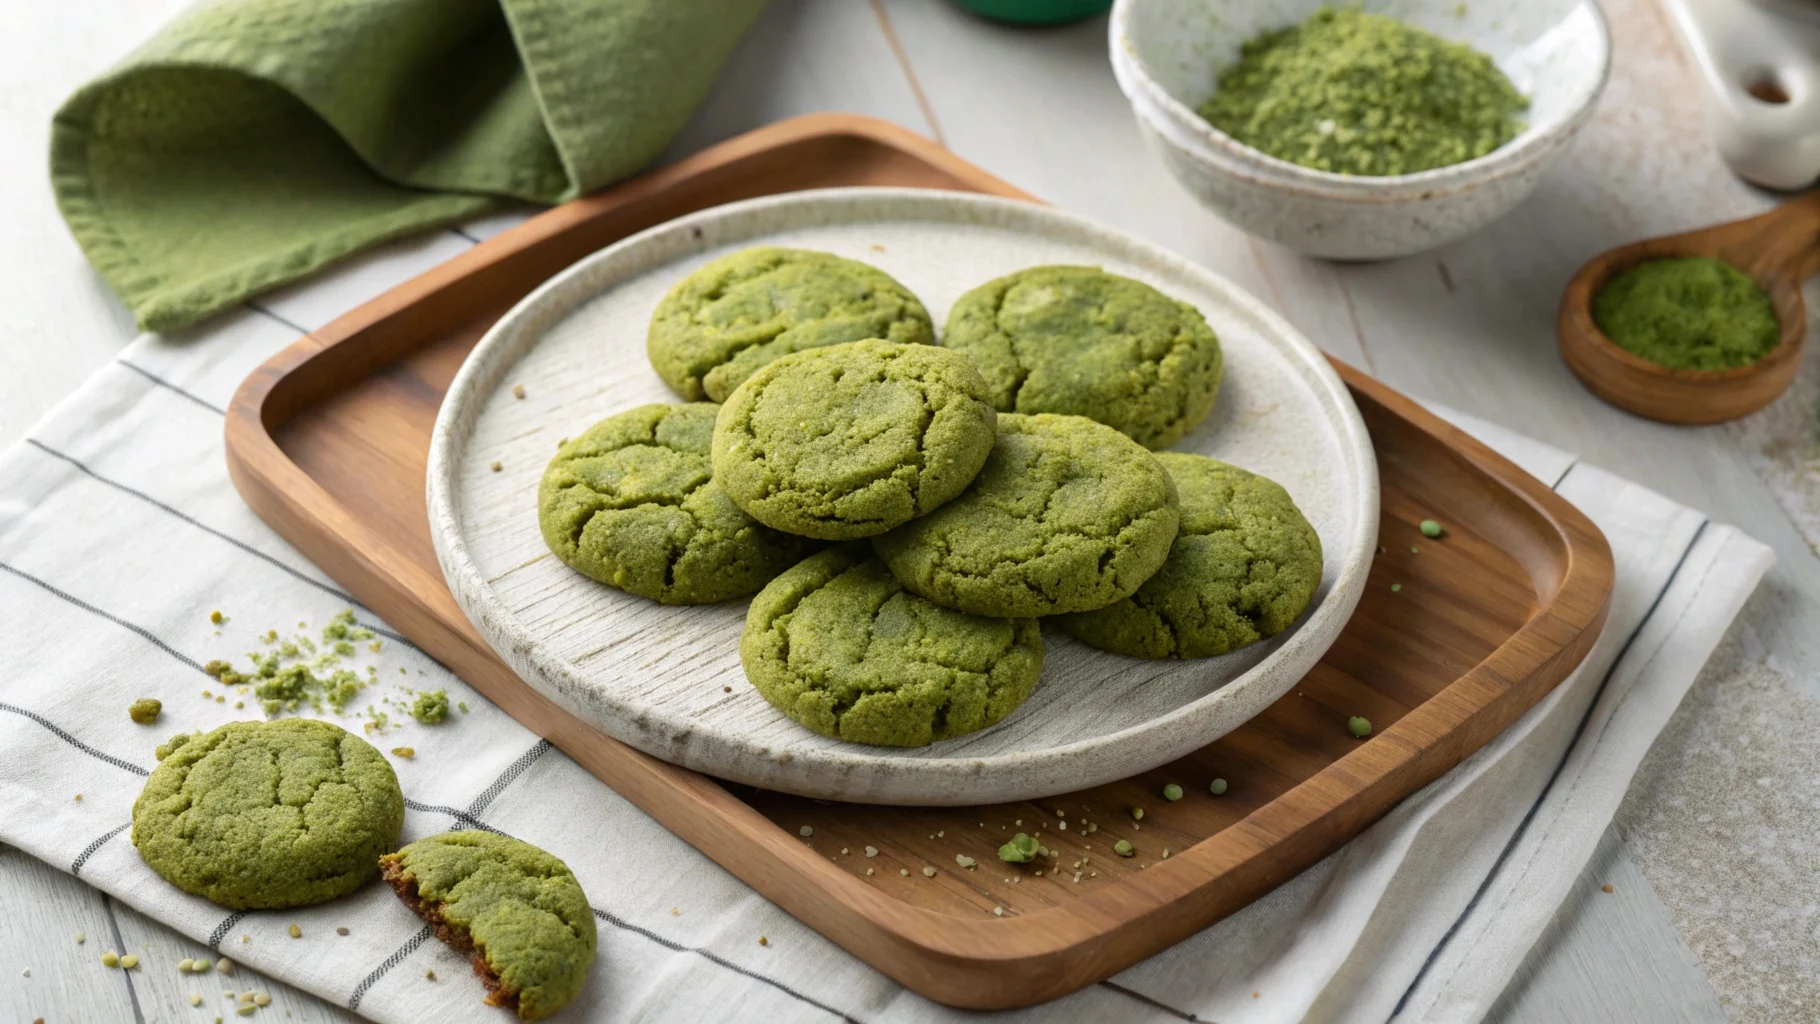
1470	326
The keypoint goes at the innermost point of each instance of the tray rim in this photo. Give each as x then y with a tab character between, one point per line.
991	963
944	781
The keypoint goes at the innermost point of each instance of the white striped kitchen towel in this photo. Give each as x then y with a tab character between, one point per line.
119	533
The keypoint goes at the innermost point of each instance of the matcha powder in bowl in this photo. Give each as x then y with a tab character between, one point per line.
1363	94
1687	313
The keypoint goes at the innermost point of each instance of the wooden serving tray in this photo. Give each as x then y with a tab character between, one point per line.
327	441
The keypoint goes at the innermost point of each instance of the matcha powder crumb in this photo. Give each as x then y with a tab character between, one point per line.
431	707
144	711
1692	313
1363	94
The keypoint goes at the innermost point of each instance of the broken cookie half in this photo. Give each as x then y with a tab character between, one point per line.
517	910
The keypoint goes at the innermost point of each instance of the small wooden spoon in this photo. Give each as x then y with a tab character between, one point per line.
1778	249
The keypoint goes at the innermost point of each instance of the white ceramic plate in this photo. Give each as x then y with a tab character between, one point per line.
668	681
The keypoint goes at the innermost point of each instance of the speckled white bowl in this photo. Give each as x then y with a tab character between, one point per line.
1168	54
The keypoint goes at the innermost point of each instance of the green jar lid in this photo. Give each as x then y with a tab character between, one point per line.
1036	12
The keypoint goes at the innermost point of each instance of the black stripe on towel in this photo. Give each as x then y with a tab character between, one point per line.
73	741
296	574
167	385
722	961
409	947
89	850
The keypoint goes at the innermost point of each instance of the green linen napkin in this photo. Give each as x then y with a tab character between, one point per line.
252	142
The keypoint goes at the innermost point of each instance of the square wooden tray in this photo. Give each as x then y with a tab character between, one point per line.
327	441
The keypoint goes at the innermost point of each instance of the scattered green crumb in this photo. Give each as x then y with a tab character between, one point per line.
216	617
1137	814
145	710
1430	528
431	707
201	965
245	1010
1217	787
964	861
1172	792
1123	848
1020	850
928	872
518	391
271	636
806	831
295	932
292	686
497	467
129	961
81	937
195	999
1394	587
1358	726
463	705
289	649
375	646
343	648
405	752
1414	550
110	959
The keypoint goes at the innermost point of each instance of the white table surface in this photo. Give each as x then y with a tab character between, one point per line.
1684	936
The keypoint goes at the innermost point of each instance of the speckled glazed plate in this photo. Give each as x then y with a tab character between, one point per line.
668	681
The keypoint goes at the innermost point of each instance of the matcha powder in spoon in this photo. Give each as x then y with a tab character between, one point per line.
1363	94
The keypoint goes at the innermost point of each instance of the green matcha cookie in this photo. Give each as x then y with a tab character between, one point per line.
741	311
263	815
1243	567
517	909
1067	516
838	645
632	503
851	440
1080	341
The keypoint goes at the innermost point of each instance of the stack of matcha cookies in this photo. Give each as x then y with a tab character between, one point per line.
976	486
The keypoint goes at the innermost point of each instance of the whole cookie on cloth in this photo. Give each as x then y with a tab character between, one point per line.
1068	515
517	909
837	644
1080	341
851	440
263	815
741	311
1244	565
632	502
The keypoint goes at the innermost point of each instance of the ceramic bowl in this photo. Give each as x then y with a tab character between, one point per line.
1168	54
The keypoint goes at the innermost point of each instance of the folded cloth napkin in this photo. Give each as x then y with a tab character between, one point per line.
252	142
119	533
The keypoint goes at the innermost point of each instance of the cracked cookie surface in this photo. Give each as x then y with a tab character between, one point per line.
1080	341
1068	515
851	440
262	815
734	315
632	503
516	909
1244	564
839	645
